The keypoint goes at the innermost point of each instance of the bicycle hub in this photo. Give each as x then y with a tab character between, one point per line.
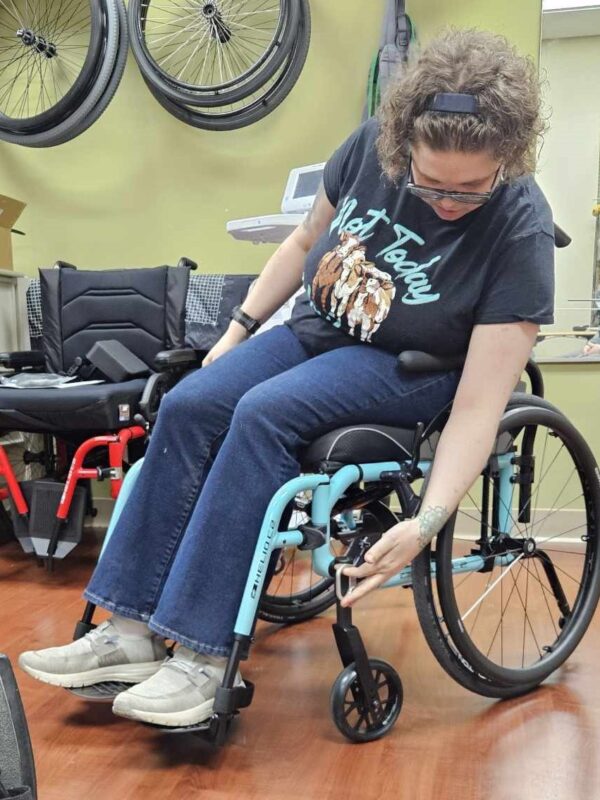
218	29
38	43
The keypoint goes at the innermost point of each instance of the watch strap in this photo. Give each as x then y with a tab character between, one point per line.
245	320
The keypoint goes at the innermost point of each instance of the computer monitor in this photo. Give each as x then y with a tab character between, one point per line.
301	188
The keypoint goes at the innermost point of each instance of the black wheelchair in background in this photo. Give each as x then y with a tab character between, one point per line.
124	330
137	329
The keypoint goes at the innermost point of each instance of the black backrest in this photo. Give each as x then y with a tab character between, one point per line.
142	308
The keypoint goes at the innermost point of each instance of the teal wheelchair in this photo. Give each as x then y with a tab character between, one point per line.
503	595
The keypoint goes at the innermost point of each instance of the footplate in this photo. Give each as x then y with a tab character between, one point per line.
203	728
227	703
101	692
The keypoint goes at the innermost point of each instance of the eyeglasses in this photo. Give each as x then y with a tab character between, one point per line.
470	198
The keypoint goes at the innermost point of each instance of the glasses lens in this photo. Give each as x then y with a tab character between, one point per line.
470	198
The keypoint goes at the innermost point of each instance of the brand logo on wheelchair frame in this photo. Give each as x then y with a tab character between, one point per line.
266	549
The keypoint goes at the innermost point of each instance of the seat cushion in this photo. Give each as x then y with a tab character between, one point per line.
96	408
366	443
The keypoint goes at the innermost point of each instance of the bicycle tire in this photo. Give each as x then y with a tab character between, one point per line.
69	101
584	605
258	109
64	130
228	93
111	88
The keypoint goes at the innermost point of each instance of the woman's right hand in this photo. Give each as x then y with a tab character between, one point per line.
591	349
234	335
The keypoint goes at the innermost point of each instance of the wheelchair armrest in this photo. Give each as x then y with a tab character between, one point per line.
156	387
536	379
22	358
417	361
174	359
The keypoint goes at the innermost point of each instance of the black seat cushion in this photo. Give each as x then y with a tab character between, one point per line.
366	443
356	444
102	406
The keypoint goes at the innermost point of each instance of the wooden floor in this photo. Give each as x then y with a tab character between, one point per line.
448	744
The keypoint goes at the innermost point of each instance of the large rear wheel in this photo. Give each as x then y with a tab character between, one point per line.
532	521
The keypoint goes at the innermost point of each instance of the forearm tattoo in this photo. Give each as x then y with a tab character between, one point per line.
431	520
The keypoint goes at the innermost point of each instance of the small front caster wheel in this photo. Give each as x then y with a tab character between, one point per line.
359	719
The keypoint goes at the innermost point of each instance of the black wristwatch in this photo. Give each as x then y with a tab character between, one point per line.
245	320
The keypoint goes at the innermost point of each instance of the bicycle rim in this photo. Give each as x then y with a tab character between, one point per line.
48	55
208	63
260	104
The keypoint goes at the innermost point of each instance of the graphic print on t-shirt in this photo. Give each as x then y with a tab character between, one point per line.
349	289
493	265
400	244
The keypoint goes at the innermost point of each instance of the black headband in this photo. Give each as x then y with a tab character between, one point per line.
454	103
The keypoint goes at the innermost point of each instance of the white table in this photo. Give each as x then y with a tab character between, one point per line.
14	330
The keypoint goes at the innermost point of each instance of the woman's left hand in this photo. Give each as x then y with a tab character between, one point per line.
396	548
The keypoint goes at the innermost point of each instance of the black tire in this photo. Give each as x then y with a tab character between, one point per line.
436	633
347	697
545	434
42	26
303	603
226	92
97	97
111	88
441	644
272	96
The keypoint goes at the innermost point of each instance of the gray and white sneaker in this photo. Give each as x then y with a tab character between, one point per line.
103	654
181	693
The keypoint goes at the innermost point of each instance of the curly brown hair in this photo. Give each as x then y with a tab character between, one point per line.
474	62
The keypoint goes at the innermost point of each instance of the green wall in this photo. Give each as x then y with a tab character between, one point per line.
140	187
519	20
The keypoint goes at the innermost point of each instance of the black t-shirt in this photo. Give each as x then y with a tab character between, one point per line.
390	272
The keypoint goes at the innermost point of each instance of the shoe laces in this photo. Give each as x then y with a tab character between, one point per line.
98	634
188	667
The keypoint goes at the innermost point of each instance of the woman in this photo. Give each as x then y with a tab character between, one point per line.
428	233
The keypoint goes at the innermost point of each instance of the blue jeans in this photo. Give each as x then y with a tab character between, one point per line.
227	436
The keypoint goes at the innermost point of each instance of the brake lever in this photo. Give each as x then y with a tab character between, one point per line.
351	582
339	578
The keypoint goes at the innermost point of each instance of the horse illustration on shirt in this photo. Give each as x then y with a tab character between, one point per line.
330	267
371	303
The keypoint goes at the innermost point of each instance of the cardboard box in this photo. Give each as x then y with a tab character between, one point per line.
10	211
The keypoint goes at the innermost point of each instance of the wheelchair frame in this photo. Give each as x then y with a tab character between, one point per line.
362	676
326	492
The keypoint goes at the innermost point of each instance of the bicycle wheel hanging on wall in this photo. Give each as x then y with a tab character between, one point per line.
220	65
60	65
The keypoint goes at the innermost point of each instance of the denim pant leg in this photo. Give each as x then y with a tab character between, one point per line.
271	423
192	421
